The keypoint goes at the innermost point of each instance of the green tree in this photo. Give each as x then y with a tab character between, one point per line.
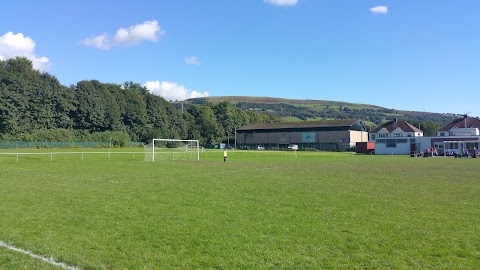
92	107
206	124
429	128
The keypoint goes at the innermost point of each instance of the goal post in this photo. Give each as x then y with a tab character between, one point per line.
175	147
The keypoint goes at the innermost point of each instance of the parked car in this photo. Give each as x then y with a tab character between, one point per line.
260	147
293	147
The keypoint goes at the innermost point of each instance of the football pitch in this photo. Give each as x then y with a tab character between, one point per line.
258	210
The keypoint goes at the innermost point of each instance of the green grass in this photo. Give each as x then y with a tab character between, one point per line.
259	210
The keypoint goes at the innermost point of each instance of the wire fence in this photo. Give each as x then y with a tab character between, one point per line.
79	155
40	145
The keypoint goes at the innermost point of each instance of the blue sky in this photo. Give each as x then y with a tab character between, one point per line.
410	55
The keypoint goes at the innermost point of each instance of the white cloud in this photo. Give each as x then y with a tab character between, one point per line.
281	2
379	9
172	91
192	60
101	42
12	45
147	31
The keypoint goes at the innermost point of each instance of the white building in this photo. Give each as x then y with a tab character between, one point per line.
462	133
396	138
401	138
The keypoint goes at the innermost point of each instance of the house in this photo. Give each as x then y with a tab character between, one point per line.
401	138
396	138
330	135
461	133
466	126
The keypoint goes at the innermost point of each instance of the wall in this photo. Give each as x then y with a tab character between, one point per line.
358	136
400	149
422	143
343	137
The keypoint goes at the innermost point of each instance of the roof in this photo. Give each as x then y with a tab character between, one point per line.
394	124
465	122
300	125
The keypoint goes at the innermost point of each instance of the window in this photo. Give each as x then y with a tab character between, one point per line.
391	143
451	145
471	145
442	133
397	134
438	146
382	135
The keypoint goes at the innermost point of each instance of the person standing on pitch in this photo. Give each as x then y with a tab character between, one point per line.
225	155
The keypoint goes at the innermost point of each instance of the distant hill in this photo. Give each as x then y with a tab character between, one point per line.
294	110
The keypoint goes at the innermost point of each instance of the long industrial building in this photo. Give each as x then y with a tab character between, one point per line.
329	135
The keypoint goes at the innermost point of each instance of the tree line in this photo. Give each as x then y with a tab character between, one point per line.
36	106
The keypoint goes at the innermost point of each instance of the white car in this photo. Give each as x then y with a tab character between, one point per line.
293	147
260	147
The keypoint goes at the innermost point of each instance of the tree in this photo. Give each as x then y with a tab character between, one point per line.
92	106
205	122
225	114
430	128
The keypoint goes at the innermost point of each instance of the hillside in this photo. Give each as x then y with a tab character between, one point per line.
294	110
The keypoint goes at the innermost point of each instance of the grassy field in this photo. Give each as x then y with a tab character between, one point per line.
259	210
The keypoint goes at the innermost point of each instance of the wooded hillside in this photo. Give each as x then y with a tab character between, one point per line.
306	110
35	106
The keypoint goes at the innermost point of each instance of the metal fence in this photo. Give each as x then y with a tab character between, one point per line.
39	145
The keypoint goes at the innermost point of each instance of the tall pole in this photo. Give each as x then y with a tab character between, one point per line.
235	138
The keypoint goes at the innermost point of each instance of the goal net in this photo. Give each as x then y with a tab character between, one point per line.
172	149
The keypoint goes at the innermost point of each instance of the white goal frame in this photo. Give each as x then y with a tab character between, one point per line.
197	145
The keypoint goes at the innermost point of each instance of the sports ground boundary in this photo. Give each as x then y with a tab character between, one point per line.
50	260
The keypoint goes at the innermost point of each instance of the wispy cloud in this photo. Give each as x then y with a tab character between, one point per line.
172	90
281	2
147	31
12	45
192	60
379	10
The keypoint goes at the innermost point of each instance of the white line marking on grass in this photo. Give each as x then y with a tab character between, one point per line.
50	260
